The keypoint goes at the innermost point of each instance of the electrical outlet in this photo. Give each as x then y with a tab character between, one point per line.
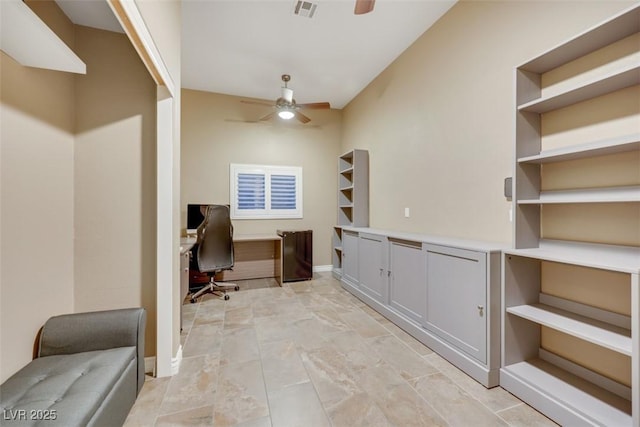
406	212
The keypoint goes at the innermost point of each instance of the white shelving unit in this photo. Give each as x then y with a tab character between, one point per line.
353	199
538	365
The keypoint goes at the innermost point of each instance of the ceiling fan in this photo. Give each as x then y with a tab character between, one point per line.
286	107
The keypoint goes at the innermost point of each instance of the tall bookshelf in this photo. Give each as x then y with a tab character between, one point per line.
571	287
353	199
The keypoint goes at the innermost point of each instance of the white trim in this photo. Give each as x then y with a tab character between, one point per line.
150	365
322	268
176	361
137	31
164	233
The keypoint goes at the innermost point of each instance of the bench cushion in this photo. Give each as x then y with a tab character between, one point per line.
71	387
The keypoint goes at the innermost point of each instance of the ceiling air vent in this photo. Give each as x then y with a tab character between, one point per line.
305	8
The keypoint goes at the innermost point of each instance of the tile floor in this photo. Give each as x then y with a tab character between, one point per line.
310	354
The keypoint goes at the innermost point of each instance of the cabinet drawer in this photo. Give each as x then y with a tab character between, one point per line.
457	298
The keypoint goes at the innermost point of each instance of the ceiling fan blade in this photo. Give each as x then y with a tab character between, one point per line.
302	118
363	6
267	117
315	106
266	104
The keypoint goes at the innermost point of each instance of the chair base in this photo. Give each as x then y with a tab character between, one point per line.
216	289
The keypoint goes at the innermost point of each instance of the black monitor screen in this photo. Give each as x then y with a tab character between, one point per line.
195	216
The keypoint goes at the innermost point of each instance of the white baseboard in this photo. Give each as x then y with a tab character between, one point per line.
176	361
322	268
150	363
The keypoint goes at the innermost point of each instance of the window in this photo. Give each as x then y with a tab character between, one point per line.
265	192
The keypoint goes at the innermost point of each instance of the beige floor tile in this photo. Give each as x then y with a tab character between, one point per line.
410	341
358	410
407	362
272	329
240	395
239	345
329	371
282	365
147	405
495	398
357	353
522	415
297	405
200	417
193	387
363	324
402	406
256	422
310	353
205	339
456	406
210	312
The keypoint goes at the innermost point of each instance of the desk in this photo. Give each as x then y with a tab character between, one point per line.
255	256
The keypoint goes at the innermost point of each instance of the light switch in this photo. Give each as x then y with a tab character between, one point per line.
406	212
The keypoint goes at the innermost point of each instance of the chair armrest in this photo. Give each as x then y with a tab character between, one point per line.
99	330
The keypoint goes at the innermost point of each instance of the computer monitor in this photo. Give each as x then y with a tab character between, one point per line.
195	216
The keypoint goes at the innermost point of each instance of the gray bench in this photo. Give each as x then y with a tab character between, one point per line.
88	372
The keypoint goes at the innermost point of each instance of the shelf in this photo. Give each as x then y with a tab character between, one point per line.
597	148
349	188
346	206
628	76
624	259
575	394
32	43
600	333
338	248
347	171
588	195
348	156
617	28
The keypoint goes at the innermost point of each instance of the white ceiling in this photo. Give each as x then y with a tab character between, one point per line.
242	47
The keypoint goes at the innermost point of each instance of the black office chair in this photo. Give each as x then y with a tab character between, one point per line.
215	249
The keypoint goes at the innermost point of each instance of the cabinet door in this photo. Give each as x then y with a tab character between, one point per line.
372	266
456	298
407	279
350	257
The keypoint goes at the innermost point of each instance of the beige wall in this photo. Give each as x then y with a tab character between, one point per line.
439	121
214	135
36	209
115	186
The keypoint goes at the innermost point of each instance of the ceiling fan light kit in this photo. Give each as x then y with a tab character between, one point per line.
286	107
286	114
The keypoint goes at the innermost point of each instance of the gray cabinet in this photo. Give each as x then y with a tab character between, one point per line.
350	257
372	262
408	279
457	298
444	292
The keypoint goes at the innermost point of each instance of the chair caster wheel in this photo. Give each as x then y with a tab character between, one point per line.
193	300
226	297
237	288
